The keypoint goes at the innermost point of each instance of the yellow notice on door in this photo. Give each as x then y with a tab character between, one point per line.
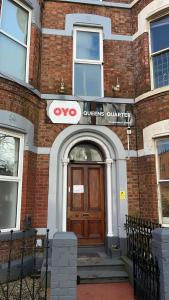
122	195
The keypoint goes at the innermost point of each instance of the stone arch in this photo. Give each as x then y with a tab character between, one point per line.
115	160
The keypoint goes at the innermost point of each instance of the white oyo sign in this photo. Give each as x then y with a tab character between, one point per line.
64	112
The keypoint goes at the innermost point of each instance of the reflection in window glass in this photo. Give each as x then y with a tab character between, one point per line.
88	45
160	51
161	69
88	62
85	152
15	21
87	80
12	54
8	204
14	39
163	171
160	34
9	155
164	192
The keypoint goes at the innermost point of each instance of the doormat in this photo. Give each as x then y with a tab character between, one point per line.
86	255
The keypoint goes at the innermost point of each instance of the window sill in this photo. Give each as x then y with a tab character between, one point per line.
20	82
99	3
17	235
152	93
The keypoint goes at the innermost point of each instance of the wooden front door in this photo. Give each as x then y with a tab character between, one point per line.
85	215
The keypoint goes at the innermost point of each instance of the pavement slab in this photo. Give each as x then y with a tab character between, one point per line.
105	291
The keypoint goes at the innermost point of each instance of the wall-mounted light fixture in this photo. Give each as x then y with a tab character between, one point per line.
62	87
116	87
128	141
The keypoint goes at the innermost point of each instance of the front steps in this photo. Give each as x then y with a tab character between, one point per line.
95	267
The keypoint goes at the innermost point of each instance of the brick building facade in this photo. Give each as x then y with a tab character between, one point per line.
110	58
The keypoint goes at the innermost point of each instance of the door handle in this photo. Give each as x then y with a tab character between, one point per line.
85	214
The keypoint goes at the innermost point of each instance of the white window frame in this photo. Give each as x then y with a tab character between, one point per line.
158	184
152	54
27	45
86	61
18	178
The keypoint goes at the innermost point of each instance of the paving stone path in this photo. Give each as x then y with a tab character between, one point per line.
105	291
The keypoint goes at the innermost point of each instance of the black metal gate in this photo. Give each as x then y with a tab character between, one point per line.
24	267
146	277
145	267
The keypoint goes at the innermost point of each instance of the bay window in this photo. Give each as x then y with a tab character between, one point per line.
163	178
11	156
159	31
14	39
88	62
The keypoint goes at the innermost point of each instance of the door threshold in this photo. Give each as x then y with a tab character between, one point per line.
91	249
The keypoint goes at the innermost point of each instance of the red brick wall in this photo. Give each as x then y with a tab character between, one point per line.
35	56
41	191
141	65
126	60
149	111
16	249
118	62
20	100
56	60
28	186
133	187
57	55
148	187
54	15
136	9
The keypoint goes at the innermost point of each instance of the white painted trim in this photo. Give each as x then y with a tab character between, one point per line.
18	178
41	231
110	233
161	218
144	152
153	54
86	61
151	132
27	45
108	162
146	14
57	197
152	93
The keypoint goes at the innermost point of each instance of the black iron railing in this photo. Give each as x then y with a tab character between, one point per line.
146	277
139	234
145	267
22	276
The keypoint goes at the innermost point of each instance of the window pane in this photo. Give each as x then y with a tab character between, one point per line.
8	204
87	80
85	152
12	58
160	34
15	20
9	155
164	191
161	69
88	45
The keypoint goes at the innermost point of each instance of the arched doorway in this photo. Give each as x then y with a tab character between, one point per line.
115	178
86	193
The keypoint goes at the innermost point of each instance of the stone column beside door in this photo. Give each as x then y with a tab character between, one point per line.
64	266
160	248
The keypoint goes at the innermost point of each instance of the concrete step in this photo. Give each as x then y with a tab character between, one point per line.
104	276
101	269
90	250
100	264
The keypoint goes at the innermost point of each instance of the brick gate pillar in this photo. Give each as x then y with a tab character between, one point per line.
64	266
160	248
